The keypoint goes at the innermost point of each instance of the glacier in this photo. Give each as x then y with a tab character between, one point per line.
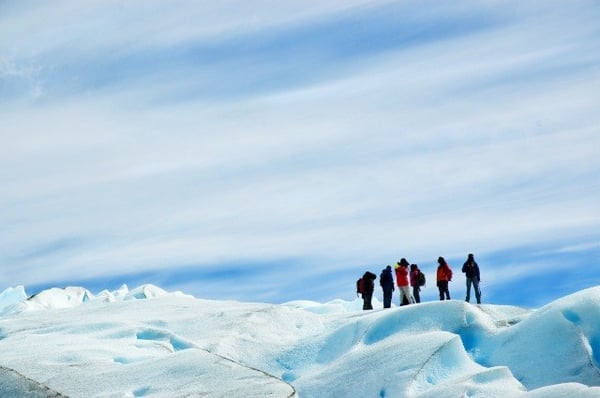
147	342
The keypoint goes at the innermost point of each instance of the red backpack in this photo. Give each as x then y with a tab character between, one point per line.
360	286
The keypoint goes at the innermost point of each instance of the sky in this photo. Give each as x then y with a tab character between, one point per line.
273	151
147	342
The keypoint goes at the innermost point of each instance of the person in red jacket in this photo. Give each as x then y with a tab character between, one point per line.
401	269
444	275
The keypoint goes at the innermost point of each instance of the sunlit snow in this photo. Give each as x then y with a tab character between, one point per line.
147	342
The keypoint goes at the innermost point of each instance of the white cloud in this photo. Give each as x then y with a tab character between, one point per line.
485	140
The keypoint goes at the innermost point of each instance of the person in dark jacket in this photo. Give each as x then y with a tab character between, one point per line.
471	270
368	285
444	275
386	280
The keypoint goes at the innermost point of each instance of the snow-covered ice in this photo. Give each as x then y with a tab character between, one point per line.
147	342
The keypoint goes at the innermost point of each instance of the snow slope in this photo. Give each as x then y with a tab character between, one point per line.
150	343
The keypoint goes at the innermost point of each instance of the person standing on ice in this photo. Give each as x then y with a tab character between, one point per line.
386	280
365	286
471	270
415	282
402	281
444	275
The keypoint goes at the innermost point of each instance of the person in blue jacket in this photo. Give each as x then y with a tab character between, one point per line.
471	270
386	280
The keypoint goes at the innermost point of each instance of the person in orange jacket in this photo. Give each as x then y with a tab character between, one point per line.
401	269
444	275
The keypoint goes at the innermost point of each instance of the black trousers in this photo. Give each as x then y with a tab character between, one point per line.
443	288
416	294
387	298
367	297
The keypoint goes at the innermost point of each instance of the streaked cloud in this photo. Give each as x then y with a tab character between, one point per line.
165	140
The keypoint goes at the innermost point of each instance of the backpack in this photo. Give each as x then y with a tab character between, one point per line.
421	278
360	286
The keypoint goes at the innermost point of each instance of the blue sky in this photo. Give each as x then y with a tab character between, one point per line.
275	150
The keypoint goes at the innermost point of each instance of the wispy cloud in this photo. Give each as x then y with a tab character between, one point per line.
163	139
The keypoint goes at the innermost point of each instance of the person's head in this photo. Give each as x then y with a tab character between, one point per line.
413	267
441	260
470	257
389	268
403	262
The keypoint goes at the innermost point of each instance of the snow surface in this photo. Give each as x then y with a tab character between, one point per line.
151	343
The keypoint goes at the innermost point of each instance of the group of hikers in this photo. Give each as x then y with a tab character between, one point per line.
410	276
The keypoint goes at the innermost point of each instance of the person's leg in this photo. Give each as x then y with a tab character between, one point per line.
387	298
403	296
468	290
477	291
416	294
406	291
441	290
446	291
369	298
